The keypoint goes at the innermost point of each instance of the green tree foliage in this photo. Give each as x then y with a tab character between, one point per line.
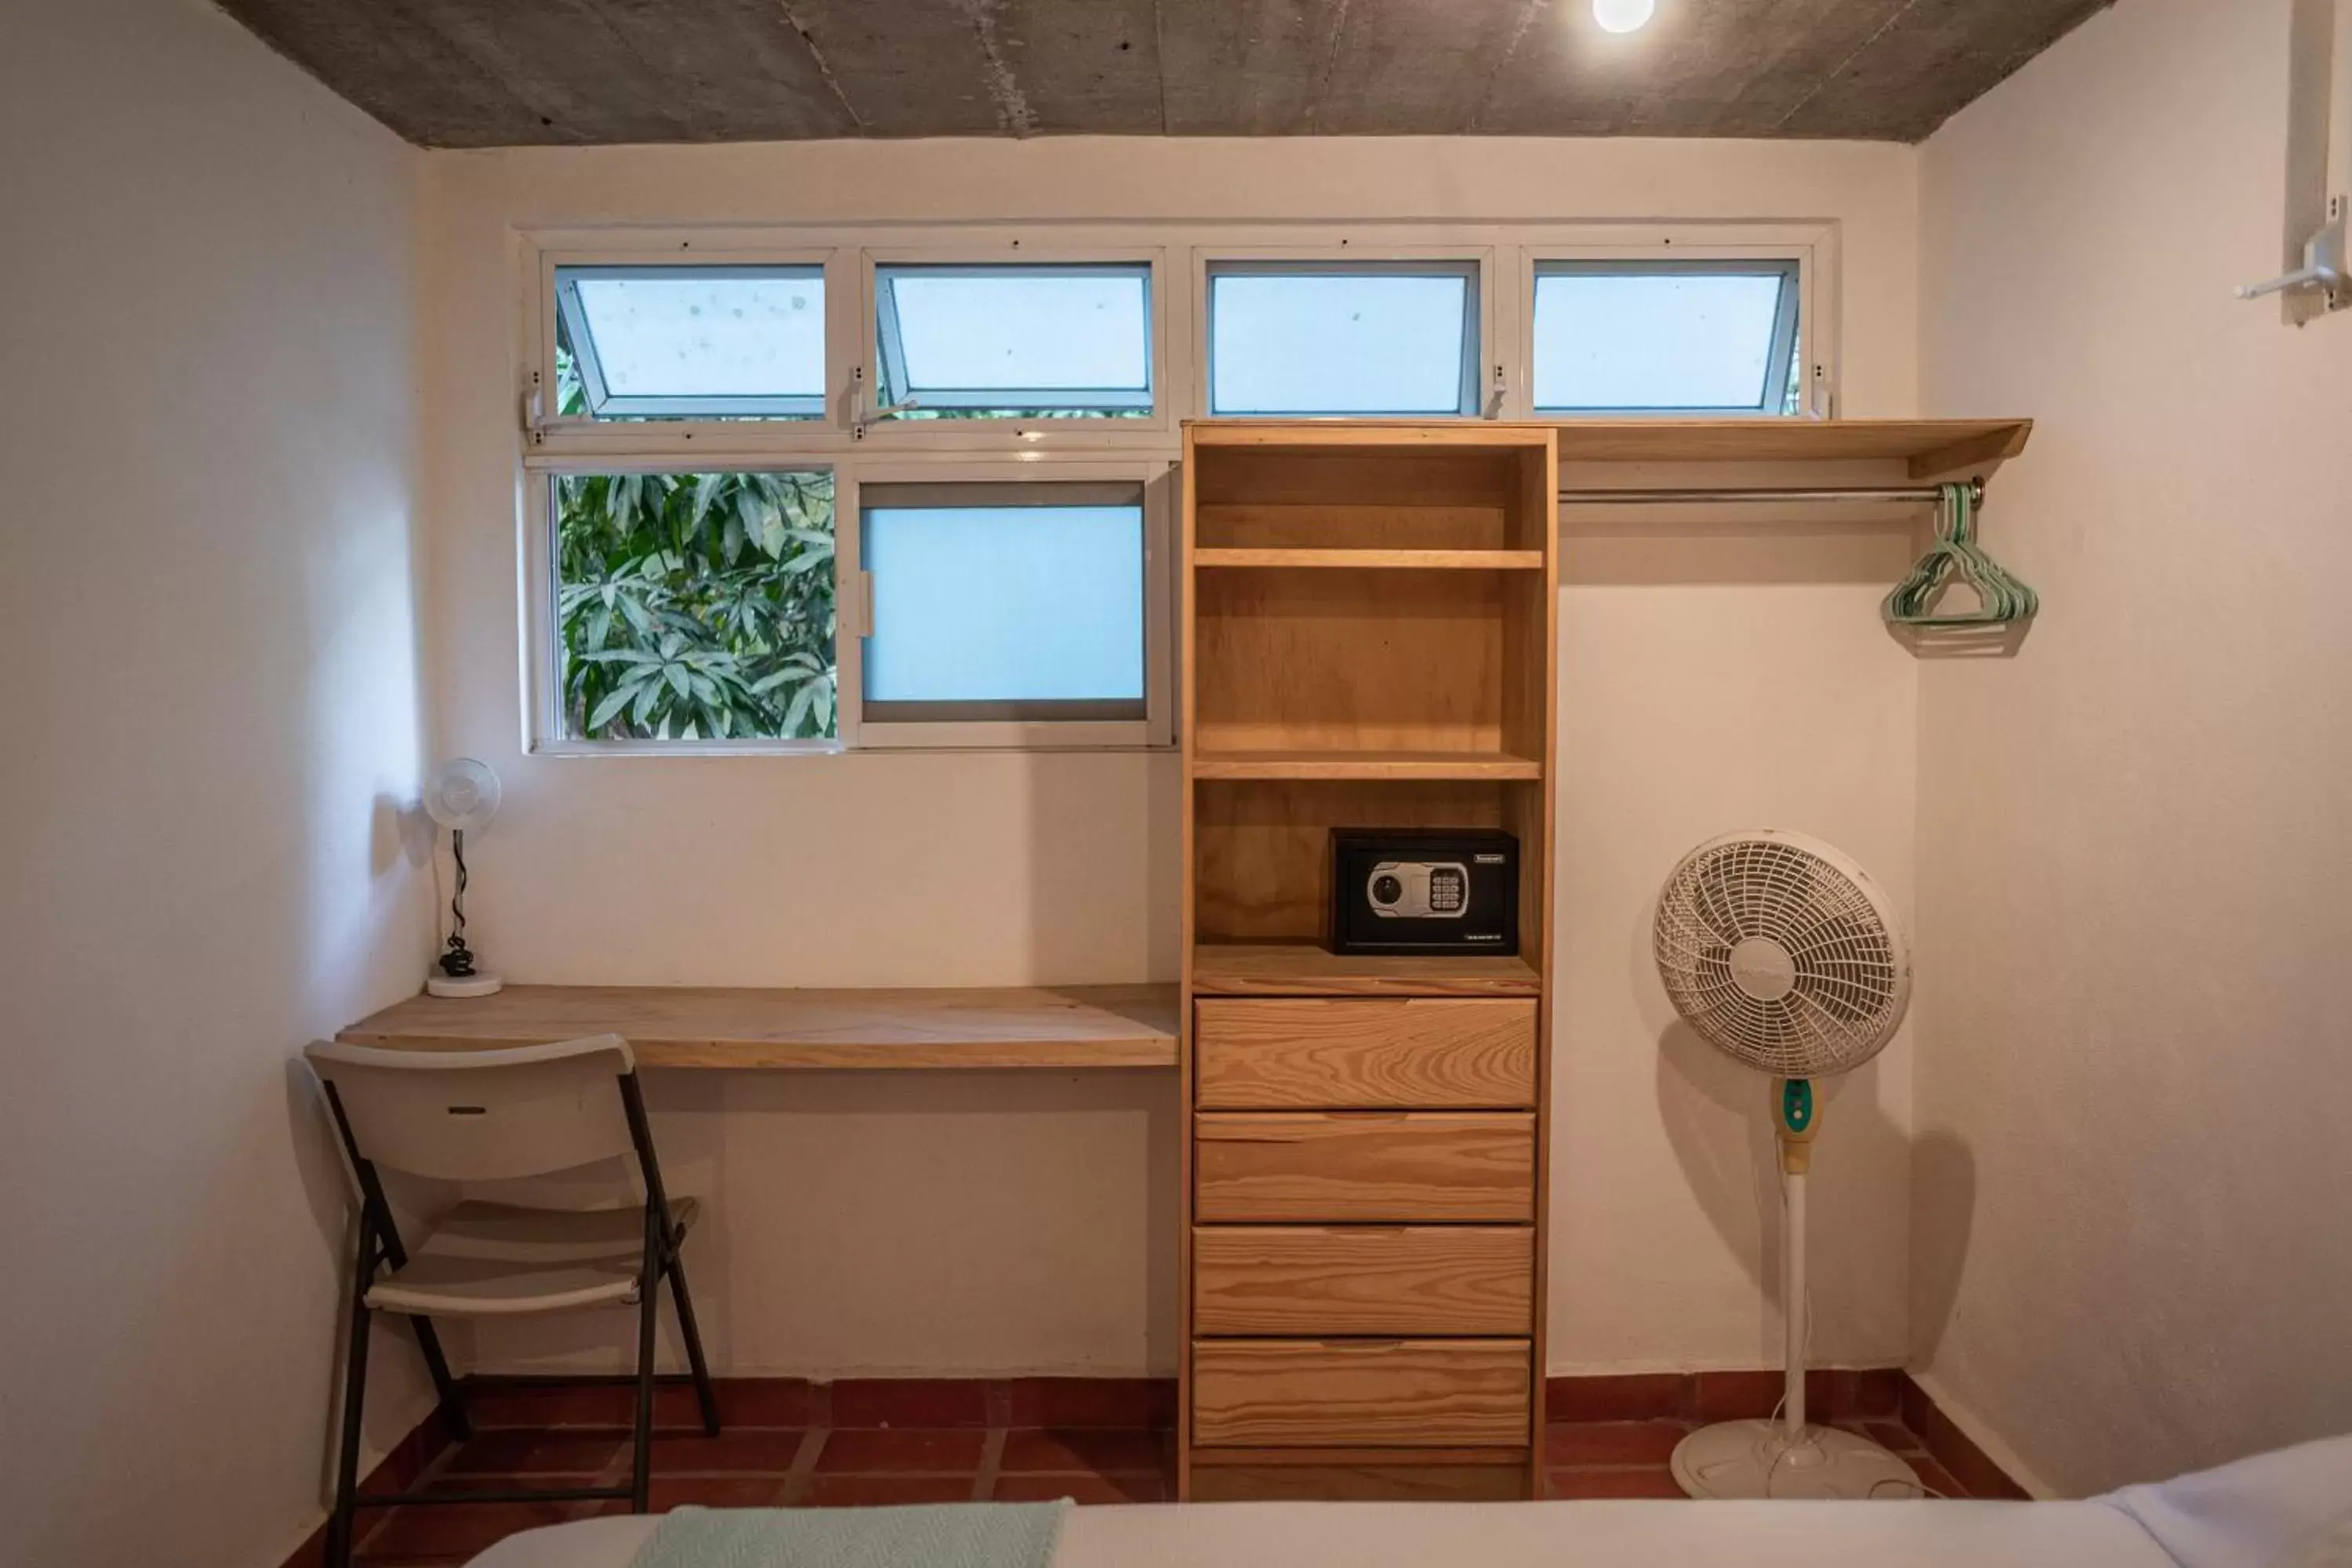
696	606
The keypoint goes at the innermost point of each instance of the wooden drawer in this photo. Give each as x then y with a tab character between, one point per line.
1424	1053
1364	1165
1354	1395
1358	1279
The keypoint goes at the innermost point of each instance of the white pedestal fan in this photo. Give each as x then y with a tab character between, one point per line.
1783	955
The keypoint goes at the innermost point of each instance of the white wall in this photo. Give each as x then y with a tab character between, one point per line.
921	1224
2132	1253
207	617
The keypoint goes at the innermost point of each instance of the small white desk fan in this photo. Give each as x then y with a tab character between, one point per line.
1783	955
462	795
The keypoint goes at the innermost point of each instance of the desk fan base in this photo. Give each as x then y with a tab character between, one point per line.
1756	1459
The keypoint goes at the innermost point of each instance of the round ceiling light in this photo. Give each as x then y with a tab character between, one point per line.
1622	15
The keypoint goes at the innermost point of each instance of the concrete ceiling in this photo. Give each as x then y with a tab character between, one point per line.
481	73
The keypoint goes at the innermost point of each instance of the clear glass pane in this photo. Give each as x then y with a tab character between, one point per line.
1336	342
696	342
1016	339
1005	604
1657	339
694	606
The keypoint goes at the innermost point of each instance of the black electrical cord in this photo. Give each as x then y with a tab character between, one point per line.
457	964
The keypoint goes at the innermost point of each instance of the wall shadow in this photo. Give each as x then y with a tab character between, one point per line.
1943	1214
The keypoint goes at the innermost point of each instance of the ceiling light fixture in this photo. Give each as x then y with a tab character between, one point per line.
1622	15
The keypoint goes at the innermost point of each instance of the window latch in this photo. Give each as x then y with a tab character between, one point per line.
534	411
1493	407
859	418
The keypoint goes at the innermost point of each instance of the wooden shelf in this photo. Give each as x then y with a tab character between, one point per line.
689	1026
1498	765
1306	969
1374	559
1930	448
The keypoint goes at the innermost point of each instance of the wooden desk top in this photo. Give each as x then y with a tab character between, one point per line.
683	1027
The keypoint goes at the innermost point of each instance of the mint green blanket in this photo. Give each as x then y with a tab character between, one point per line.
943	1535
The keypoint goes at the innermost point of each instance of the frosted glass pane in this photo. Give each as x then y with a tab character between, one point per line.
1009	332
1337	343
975	604
1655	340
703	335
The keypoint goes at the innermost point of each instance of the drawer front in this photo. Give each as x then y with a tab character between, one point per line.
1355	1280
1424	1053
1429	1393
1378	1166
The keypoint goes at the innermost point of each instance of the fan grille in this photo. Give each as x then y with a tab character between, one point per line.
1847	980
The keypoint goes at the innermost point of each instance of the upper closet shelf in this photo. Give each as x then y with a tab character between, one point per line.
1929	448
1374	559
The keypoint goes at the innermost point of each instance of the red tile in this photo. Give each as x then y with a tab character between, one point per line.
1102	1451
525	1451
758	1450
1888	1434
714	1492
1128	1401
910	1402
1954	1449
1631	1396
1934	1477
1618	1483
1735	1395
1081	1489
547	1406
771	1402
882	1492
456	1530
1861	1393
913	1451
1569	1444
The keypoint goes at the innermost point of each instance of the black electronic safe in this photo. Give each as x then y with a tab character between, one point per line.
1425	890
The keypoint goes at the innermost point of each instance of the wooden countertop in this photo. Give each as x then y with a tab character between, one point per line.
686	1026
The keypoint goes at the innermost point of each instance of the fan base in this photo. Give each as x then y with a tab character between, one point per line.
477	983
1756	1459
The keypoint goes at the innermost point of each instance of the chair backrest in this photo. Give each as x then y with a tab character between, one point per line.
482	1116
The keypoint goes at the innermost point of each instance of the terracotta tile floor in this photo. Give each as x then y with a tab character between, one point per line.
762	1466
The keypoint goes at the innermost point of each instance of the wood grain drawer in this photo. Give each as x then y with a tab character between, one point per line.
1426	1052
1354	1395
1358	1279
1371	1166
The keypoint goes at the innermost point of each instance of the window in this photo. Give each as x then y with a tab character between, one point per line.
1659	337
694	606
977	343
1013	602
1336	338
690	343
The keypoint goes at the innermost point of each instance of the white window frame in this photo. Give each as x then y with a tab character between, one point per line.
877	427
1812	249
1372	253
978	450
854	600
543	657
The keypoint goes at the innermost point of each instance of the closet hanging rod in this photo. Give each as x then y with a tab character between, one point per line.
1923	495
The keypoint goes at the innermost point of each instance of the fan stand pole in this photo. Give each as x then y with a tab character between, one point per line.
1792	1302
1790	1457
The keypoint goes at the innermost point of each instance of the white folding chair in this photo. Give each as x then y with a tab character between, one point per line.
486	1116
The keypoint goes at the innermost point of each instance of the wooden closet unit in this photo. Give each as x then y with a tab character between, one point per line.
1369	627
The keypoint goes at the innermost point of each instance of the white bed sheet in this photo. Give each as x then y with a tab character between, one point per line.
2240	1516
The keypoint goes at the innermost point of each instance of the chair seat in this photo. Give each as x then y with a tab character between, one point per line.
488	1259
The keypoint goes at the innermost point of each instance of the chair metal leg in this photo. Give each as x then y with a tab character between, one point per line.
648	1306
347	1455
453	1403
687	1331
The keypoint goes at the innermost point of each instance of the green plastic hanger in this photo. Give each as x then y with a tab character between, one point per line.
2001	598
